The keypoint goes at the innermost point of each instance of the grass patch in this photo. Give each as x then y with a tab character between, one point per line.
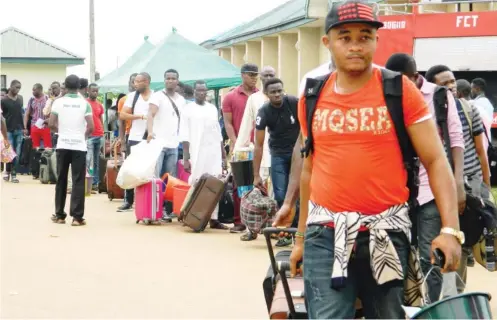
494	192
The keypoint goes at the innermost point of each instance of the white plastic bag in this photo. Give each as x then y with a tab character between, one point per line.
139	167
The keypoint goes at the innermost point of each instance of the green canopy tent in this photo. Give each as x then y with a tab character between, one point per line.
117	80
192	61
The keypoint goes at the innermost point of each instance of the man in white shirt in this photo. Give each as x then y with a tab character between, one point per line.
478	89
135	109
163	120
203	149
246	133
72	118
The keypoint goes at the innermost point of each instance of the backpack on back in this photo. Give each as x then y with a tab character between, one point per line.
392	91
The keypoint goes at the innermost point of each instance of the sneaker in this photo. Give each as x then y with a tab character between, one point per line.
6	176
14	179
284	242
214	224
238	228
57	220
125	207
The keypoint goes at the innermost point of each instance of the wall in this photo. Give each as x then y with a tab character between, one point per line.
29	74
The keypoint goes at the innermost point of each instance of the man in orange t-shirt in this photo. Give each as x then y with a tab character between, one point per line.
353	185
125	126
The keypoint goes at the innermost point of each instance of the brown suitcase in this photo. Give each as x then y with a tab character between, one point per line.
201	201
113	190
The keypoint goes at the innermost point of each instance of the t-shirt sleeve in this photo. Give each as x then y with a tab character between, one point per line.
88	111
261	119
129	100
477	122
414	106
302	116
154	99
56	106
120	104
227	103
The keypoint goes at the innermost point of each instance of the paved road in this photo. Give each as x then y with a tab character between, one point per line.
113	268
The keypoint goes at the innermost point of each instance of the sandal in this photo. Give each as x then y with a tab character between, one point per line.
78	223
248	236
57	220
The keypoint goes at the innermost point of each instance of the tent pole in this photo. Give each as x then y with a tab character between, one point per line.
216	97
106	118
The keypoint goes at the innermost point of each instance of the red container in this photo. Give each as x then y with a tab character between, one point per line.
179	196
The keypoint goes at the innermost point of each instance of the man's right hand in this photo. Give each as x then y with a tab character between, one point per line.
122	143
296	256
258	182
25	132
150	137
6	143
283	217
186	166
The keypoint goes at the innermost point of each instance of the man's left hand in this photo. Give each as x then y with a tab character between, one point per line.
225	164
150	137
451	248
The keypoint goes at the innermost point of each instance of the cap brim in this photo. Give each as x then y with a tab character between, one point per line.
374	24
248	71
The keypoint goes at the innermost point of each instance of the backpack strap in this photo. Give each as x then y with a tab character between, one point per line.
313	87
440	103
466	109
135	99
392	91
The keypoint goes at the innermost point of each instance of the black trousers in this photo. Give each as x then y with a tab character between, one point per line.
129	194
77	160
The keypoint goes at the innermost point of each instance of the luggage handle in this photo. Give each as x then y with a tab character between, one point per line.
267	234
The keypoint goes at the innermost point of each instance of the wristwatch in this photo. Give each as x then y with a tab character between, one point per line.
453	232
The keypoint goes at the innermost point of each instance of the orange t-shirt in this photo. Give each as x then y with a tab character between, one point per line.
357	163
120	105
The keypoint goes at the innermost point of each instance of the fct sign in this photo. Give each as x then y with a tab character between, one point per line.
469	21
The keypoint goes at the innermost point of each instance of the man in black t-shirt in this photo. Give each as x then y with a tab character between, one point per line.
12	111
279	115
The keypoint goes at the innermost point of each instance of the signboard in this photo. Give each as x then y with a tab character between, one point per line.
460	24
396	36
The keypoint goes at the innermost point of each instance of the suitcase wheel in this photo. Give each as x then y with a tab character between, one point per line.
137	221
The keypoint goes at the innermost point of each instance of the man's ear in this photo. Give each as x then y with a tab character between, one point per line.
325	40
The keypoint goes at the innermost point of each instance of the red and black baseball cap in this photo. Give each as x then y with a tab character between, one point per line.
352	11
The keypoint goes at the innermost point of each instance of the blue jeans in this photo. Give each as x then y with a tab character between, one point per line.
280	174
93	145
15	140
167	162
426	225
324	302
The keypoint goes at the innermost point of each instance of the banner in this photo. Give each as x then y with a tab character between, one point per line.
460	24
396	36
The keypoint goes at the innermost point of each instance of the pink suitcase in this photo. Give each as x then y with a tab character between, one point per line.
149	201
182	174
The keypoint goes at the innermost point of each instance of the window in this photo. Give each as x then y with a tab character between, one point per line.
3	82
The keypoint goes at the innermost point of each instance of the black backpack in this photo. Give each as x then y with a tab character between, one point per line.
392	91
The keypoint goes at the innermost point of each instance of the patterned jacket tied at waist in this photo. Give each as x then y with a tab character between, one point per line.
385	263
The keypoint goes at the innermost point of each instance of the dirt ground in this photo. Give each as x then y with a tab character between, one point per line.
113	268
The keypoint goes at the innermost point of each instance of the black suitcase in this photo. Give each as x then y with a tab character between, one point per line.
102	183
34	163
26	149
226	205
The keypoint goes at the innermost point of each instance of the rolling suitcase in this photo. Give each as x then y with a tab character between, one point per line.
34	164
26	150
149	200
48	164
288	300
201	201
111	169
226	205
102	184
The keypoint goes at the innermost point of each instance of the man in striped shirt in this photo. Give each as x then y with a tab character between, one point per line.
476	168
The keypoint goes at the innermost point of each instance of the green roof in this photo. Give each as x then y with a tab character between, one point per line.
289	15
192	62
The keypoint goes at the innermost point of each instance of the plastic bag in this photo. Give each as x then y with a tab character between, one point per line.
139	166
8	154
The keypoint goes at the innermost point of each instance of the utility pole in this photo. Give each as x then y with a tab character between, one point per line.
92	42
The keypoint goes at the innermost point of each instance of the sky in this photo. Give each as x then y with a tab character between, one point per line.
120	26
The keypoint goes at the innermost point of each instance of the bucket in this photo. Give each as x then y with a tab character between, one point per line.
243	173
171	182
179	196
473	305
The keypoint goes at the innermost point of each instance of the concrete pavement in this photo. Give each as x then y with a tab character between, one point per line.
113	268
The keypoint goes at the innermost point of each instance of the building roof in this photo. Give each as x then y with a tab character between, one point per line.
21	47
288	15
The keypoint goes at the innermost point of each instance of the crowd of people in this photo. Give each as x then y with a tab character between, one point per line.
351	195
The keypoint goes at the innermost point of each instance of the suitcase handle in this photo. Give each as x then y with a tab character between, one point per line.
267	234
